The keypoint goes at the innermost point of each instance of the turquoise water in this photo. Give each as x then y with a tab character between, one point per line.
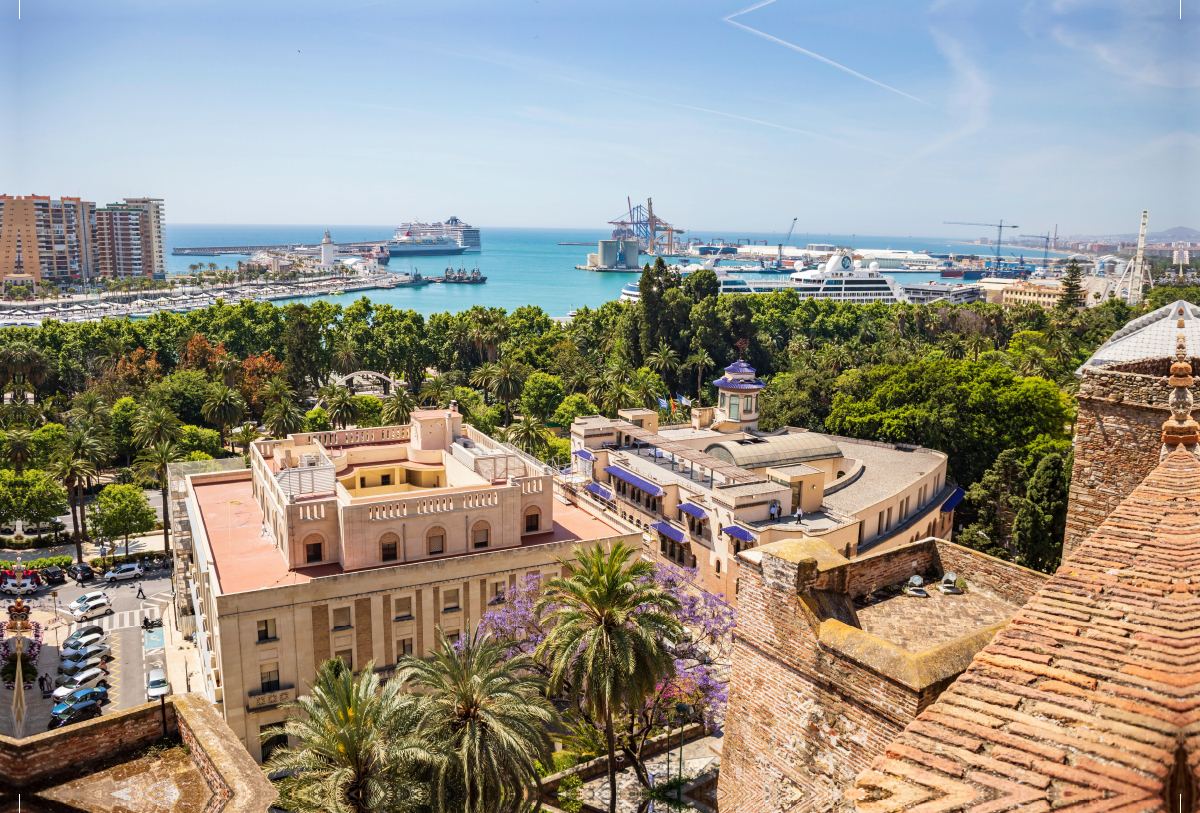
523	266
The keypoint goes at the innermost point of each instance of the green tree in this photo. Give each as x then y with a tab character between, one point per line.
43	499
283	418
398	407
223	409
155	424
154	462
342	409
508	383
121	419
356	750
121	512
317	420
541	395
572	407
607	622
1072	288
19	448
72	472
369	410
528	434
485	707
1040	521
198	439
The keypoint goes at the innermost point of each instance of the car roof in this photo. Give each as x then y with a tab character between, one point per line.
158	674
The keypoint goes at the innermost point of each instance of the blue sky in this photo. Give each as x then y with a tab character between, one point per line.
858	116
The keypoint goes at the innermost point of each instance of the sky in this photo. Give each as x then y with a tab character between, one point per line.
861	116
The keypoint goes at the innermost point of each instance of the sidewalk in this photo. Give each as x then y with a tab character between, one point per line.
151	543
182	657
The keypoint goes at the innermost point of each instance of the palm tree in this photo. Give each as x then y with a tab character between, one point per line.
345	357
284	418
487	711
978	343
436	391
18	448
953	346
528	434
155	424
73	472
244	436
89	410
342	407
277	390
508	381
227	366
224	407
356	751
397	407
607	622
153	462
483	377
663	361
701	360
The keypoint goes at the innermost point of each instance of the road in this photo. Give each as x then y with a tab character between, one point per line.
137	651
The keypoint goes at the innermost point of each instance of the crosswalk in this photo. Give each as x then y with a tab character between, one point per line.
118	621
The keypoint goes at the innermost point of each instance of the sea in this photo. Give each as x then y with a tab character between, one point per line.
523	266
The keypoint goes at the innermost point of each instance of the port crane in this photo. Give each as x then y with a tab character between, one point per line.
786	240
999	227
1137	272
1046	239
654	235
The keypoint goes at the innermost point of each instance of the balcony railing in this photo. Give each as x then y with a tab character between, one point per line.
257	701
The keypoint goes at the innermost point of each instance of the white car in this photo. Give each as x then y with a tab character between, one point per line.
95	607
127	571
84	680
157	685
83	600
18	587
81	644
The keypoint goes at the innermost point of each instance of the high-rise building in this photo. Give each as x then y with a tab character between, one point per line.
47	240
124	246
154	209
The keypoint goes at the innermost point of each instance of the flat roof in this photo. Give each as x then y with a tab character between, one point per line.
245	560
917	624
887	471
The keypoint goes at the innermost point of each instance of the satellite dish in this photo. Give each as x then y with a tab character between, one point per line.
874	266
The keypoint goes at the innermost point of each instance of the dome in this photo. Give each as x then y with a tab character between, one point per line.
740	366
781	450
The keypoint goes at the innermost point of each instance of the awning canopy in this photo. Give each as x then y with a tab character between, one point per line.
738	532
598	490
953	500
584	454
637	482
667	530
695	510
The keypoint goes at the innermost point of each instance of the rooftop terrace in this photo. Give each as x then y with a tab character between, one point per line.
917	624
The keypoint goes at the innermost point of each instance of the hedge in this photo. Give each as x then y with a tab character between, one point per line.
106	562
27	542
40	564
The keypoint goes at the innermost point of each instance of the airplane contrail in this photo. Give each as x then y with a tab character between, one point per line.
807	52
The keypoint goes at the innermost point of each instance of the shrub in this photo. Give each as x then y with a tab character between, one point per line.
104	563
40	564
8	672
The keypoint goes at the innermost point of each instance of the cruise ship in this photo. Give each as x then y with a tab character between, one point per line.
406	244
462	233
840	279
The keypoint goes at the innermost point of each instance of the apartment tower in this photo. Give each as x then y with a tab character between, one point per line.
155	262
123	240
43	239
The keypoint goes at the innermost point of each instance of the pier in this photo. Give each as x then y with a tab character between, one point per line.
288	248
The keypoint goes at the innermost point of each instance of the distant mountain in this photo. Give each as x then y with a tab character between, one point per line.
1177	233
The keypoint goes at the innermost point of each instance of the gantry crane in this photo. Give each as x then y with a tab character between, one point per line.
999	227
786	240
1137	273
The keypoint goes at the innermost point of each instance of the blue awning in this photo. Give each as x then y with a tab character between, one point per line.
695	510
598	490
667	530
953	500
584	454
635	481
738	532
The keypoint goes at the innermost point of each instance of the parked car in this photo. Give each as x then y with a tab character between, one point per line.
18	587
93	609
77	713
131	570
70	668
102	651
85	598
84	632
54	575
69	648
84	680
81	572
157	685
99	695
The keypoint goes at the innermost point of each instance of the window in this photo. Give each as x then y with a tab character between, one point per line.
266	630
479	536
388	552
362	482
347	656
499	589
341	618
403	647
313	553
272	742
889	520
450	601
453	637
385	480
722	400
403	608
269	677
662	542
734	401
532	521
718	567
437	543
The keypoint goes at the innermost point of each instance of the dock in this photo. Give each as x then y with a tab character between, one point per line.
287	248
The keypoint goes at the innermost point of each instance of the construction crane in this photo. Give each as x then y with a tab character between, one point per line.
999	227
786	240
654	235
1137	272
1045	252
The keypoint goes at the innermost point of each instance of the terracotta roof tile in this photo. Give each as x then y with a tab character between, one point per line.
1083	701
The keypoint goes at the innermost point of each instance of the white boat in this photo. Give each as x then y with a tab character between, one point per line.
462	233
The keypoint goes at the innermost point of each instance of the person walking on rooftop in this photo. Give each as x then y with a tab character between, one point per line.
141	593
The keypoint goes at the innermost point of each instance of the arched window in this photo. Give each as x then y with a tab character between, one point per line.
435	541
533	519
389	547
481	534
718	567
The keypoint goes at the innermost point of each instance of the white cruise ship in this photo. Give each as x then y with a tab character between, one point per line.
462	233
839	279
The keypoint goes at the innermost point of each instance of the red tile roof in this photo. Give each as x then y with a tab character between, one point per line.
1089	699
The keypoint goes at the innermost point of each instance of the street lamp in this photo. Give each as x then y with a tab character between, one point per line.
684	711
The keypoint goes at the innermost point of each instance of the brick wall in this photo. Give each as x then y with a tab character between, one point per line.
874	570
1118	439
320	628
362	632
1005	580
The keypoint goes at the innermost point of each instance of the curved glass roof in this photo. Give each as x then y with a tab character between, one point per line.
782	450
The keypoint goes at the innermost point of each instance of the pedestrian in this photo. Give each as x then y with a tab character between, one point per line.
140	593
42	683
